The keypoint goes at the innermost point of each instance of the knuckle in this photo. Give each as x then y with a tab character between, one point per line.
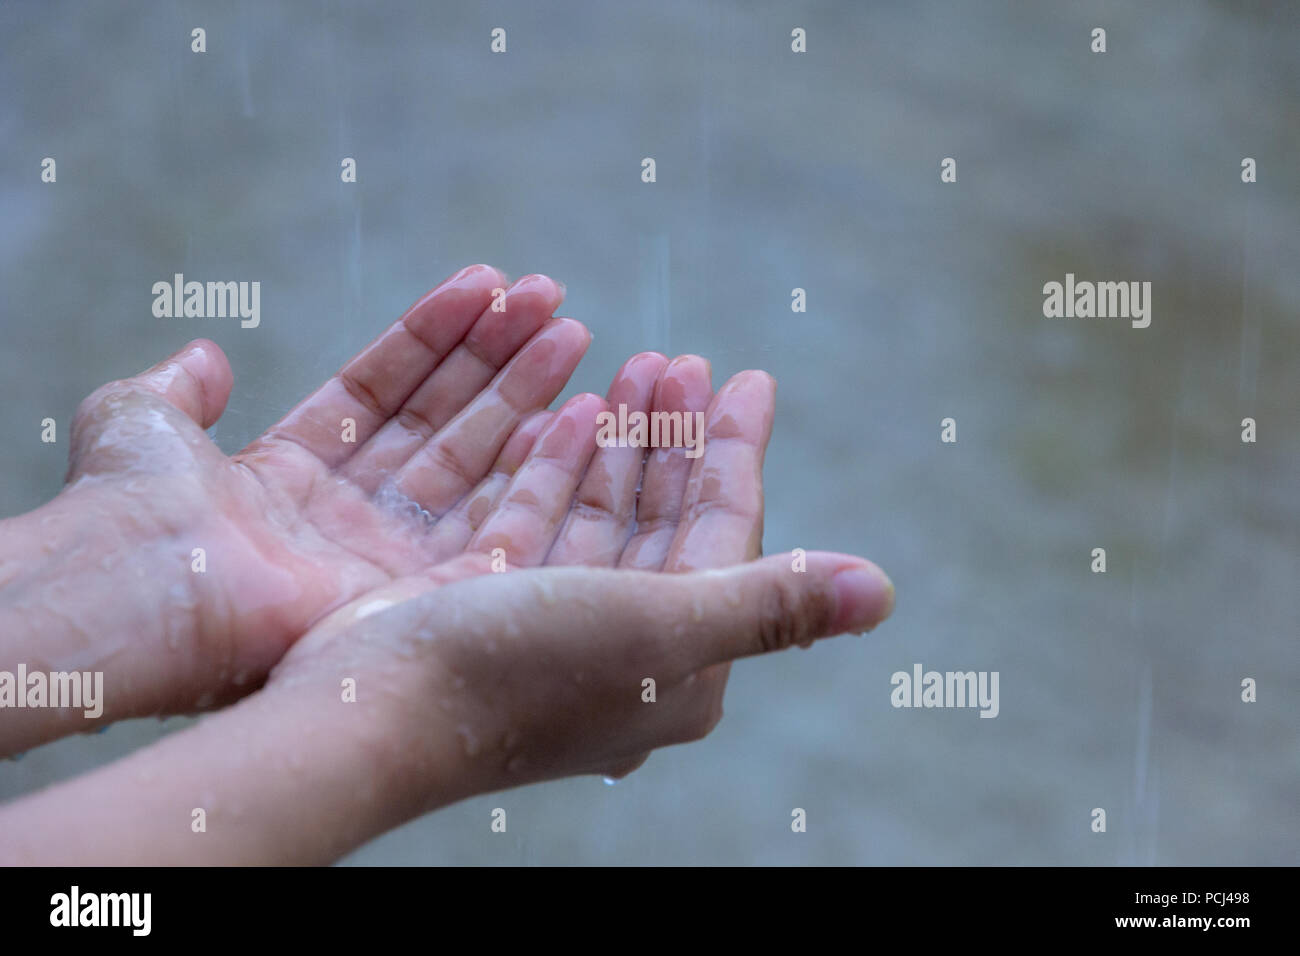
450	460
779	620
99	405
363	392
791	614
91	403
708	714
415	422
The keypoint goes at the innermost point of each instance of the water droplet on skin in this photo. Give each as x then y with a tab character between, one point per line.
240	678
545	591
372	607
205	701
469	742
609	781
176	616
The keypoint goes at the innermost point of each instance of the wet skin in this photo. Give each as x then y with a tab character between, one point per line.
453	453
371	562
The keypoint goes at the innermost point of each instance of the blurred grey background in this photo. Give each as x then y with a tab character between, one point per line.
776	170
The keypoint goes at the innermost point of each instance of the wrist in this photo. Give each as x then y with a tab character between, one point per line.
80	595
392	748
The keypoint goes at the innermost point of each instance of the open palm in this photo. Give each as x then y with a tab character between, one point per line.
430	443
248	550
567	502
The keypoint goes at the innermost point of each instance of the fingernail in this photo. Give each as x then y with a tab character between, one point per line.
864	597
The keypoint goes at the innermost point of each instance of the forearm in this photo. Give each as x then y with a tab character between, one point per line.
105	613
294	777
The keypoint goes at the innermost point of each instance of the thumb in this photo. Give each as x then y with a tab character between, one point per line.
194	381
197	380
693	620
766	605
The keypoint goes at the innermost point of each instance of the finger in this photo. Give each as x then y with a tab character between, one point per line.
708	617
722	520
672	626
455	528
685	386
450	464
603	512
722	511
528	517
767	605
372	386
536	373
197	380
504	327
151	417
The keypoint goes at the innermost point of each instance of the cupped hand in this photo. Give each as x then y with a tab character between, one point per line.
334	500
539	672
498	680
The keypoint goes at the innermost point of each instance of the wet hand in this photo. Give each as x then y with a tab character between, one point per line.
185	573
